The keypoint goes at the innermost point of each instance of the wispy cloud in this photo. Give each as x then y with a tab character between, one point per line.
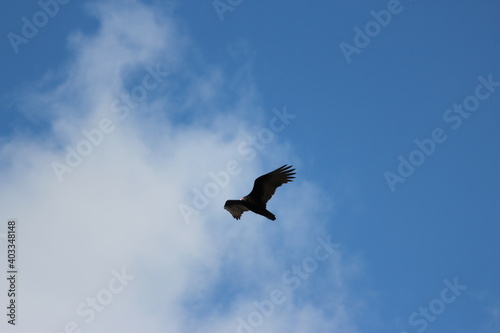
118	210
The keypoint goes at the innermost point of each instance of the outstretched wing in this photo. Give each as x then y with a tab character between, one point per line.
265	186
235	208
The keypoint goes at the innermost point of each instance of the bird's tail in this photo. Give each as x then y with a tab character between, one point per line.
270	215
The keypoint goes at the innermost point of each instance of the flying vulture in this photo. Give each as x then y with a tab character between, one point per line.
263	189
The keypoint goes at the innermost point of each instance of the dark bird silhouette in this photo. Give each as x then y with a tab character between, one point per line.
263	189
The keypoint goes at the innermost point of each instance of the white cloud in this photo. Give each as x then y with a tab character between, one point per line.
118	209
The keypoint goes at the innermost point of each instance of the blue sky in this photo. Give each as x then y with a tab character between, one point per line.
117	115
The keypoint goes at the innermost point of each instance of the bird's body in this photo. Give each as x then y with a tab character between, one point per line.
248	205
263	189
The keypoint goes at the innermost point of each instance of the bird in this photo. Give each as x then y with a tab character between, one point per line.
263	189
